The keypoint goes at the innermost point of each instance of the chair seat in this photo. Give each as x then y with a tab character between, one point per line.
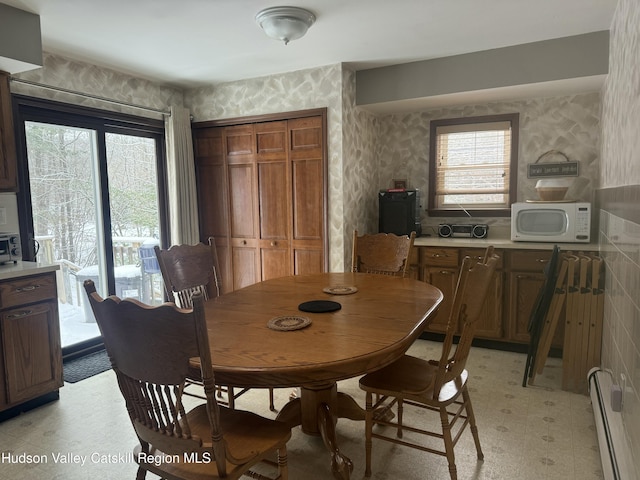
245	434
413	379
240	425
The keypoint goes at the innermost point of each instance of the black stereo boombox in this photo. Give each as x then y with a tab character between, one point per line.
469	231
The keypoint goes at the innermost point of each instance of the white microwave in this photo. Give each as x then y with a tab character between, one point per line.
551	222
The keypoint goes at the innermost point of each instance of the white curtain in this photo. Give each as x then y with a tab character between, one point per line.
183	200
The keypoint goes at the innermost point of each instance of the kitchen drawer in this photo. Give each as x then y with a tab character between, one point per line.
529	261
27	290
478	254
439	257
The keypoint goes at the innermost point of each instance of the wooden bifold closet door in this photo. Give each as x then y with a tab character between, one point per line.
262	197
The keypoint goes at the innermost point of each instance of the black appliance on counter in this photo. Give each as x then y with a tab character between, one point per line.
399	212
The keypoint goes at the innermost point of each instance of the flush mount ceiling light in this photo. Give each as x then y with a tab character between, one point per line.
285	23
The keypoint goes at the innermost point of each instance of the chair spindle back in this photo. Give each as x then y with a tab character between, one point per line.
469	297
382	253
149	349
190	269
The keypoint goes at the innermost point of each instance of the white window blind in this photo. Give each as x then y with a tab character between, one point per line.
473	165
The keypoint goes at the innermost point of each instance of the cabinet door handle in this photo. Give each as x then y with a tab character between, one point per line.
542	260
273	244
28	288
22	313
446	272
244	242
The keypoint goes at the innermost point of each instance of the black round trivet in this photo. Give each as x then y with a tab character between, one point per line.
319	306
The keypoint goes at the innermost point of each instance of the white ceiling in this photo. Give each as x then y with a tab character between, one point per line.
190	43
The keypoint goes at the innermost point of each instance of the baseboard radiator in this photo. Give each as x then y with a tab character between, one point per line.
609	428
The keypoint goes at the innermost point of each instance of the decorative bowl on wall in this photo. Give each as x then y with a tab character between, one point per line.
553	189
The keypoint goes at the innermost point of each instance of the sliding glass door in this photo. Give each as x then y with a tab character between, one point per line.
94	192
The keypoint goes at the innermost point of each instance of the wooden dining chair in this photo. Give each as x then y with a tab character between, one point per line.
436	385
382	253
190	269
187	269
150	350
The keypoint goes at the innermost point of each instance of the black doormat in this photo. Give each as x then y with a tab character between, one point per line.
86	366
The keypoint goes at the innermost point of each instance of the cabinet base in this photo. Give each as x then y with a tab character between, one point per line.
29	405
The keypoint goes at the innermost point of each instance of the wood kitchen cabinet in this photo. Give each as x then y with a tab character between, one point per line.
31	357
8	160
262	197
490	324
413	266
439	267
512	294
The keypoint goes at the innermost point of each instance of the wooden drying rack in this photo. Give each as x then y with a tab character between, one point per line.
579	295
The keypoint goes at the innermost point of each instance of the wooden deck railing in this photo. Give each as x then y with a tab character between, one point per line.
125	252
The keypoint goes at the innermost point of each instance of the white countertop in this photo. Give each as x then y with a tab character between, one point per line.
24	269
504	243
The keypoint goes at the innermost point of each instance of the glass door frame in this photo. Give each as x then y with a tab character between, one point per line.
103	122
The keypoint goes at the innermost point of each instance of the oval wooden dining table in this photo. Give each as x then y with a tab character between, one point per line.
375	325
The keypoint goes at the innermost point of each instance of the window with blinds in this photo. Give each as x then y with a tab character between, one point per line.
473	164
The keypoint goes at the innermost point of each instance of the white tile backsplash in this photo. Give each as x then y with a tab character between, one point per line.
620	247
619	237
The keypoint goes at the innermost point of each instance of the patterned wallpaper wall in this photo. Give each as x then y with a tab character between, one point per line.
621	101
365	152
361	176
301	90
569	124
619	238
82	77
315	88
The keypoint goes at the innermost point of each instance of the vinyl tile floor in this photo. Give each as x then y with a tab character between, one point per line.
533	433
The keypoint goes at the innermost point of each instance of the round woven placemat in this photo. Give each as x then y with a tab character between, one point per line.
288	323
340	289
